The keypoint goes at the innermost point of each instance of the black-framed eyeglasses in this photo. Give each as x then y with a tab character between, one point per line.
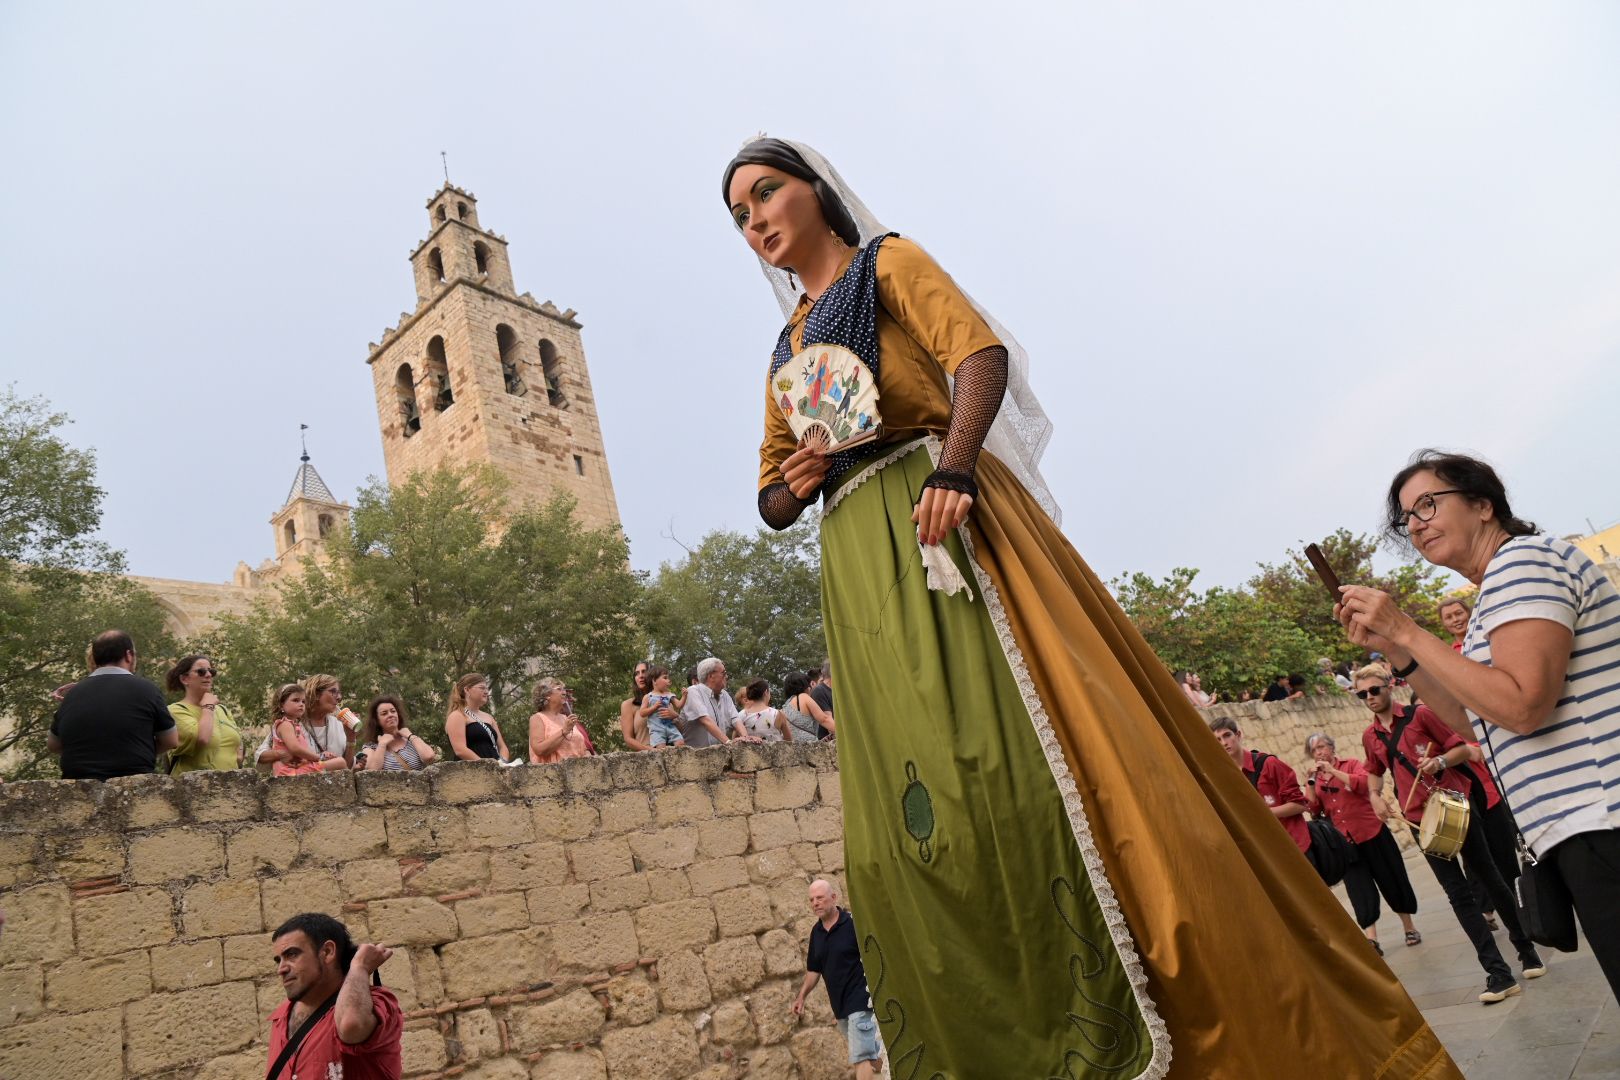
1423	509
1371	690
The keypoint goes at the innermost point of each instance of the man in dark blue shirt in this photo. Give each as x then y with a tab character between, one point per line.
113	723
835	955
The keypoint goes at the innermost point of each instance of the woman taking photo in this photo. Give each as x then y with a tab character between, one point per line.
473	733
1012	753
209	735
1537	679
554	733
386	744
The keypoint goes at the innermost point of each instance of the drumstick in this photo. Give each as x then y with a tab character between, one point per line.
1423	751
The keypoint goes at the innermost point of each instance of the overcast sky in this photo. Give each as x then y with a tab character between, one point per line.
1258	252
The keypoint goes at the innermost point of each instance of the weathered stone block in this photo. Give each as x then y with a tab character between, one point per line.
411	920
616	894
528	866
733	796
479	1035
831	856
260	847
371	879
499	1069
50	805
636	771
79	985
821	824
632	1000
393	788
586	1063
79	858
499	824
771	1063
733	965
821	1054
88	1046
774	865
597	942
623	811
147	800
489	914
680	924
666	849
828	790
666	1049
540	782
564	819
422	1050
682	983
746	910
22	993
696	766
223	795
451	873
174	855
575	1017
247	1065
289	796
777	829
597	860
557	903
163	1031
295	893
683	804
807	857
425	830
498	964
586	775
732	1025
784	789
722	836
180	966
771	1006
429	975
339	837
458	782
103	925
247	956
782	953
717	875
38	925
666	885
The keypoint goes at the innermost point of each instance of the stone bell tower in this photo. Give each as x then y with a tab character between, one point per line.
479	373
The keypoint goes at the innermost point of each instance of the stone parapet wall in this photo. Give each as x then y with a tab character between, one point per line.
630	916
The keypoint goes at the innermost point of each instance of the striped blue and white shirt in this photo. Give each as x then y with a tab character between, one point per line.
1564	778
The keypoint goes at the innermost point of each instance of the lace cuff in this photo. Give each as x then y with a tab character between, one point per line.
779	507
953	481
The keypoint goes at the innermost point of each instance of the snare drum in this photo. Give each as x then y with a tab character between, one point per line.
1444	825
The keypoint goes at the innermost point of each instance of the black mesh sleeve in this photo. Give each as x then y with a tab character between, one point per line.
980	383
779	507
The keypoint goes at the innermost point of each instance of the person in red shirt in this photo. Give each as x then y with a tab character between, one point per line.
1271	776
1424	755
1337	789
1454	615
341	1025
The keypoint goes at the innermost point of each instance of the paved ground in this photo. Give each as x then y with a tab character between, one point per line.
1565	1026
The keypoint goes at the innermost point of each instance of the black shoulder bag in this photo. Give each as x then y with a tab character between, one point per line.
1546	910
296	1039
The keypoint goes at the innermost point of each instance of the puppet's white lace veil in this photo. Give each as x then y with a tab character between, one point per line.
1021	430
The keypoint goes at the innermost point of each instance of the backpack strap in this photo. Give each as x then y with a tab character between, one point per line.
1260	758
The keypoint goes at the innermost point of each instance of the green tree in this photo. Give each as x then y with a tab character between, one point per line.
753	601
1293	588
60	585
435	579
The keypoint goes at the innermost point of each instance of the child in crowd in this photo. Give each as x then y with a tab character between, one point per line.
661	732
292	735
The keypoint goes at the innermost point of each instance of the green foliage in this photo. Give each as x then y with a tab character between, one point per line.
753	601
60	586
1238	639
432	581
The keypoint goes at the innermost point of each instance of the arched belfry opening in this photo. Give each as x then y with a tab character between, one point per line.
552	369
506	340
436	264
410	417
481	256
438	370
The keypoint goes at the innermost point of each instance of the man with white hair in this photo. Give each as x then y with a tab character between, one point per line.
709	711
836	956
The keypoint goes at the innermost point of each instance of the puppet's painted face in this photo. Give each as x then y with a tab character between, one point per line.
778	214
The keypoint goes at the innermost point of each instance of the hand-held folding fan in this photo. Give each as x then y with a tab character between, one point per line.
829	397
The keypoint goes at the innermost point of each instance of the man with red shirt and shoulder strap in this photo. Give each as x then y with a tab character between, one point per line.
1271	776
1424	755
334	1023
1339	790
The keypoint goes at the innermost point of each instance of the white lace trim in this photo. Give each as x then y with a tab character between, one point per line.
869	470
1158	1065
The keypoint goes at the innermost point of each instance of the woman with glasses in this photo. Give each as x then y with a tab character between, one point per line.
1537	680
554	732
473	733
209	736
631	726
1012	753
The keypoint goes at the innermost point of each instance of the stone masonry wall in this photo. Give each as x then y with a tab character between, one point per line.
626	917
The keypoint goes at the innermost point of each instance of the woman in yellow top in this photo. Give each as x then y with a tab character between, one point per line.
209	735
1054	869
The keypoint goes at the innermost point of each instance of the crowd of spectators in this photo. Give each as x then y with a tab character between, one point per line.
122	725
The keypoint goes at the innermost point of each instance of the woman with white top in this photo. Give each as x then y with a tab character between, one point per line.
756	717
